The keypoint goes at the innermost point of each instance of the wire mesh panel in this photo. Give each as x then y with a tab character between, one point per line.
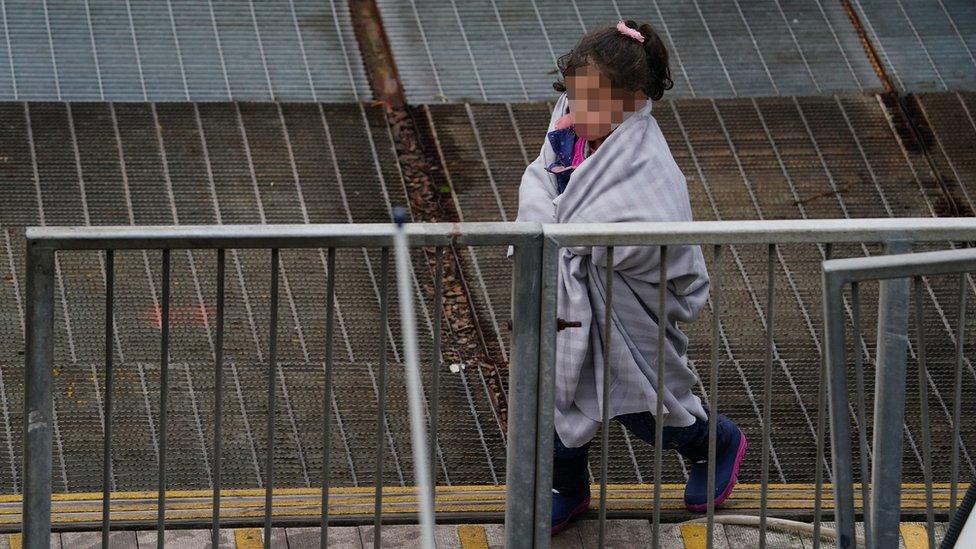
503	50
198	50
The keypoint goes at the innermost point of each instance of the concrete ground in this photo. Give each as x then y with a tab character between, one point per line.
620	534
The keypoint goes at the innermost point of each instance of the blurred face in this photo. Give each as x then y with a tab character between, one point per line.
597	107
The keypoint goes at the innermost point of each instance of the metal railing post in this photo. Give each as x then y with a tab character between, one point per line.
840	425
889	405
547	371
523	393
38	410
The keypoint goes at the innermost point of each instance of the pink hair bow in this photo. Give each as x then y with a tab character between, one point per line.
623	29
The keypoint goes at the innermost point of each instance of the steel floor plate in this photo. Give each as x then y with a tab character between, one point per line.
926	46
506	50
190	50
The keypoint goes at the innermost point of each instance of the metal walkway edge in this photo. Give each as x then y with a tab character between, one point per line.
302	506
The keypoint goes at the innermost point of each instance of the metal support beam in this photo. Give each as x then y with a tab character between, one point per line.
547	379
889	405
840	425
523	395
38	410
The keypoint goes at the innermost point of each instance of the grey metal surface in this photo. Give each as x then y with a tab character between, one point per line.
711	396
923	412
767	419
218	409
164	384
506	50
418	421
891	372
271	410
840	429
38	410
545	423
178	50
660	390
381	423
109	355
889	407
521	479
924	44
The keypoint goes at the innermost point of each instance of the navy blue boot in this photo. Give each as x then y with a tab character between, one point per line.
730	448
566	508
570	484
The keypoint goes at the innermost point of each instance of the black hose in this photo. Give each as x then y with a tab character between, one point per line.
959	519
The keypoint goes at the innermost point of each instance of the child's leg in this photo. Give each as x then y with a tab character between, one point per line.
691	441
570	475
570	483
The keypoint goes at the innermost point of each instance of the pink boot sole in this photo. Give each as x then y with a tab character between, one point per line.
577	511
743	444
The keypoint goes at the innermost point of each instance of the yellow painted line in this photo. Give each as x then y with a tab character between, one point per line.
914	535
248	538
16	541
694	536
472	536
409	490
786	499
358	502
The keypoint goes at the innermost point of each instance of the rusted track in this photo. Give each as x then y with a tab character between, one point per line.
427	204
868	46
381	70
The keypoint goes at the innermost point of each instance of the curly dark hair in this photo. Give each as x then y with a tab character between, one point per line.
628	63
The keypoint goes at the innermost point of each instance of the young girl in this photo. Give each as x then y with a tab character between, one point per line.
606	160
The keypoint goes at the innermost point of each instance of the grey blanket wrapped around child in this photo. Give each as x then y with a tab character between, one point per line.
631	177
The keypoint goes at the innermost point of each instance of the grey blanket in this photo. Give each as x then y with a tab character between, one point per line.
631	177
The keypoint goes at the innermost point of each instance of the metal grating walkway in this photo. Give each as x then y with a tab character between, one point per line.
216	163
926	45
506	50
184	50
199	159
771	158
952	133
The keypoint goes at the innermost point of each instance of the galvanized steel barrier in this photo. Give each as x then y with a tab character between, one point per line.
44	243
530	435
898	275
770	234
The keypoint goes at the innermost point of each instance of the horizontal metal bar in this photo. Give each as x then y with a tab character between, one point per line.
338	235
762	232
901	265
355	235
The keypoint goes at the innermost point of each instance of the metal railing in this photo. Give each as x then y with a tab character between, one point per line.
43	243
718	235
898	274
534	326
